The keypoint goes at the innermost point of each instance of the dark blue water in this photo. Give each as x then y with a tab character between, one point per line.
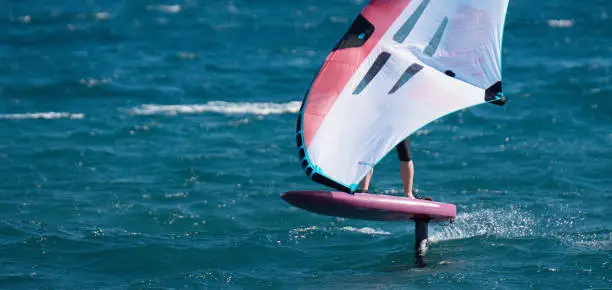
144	144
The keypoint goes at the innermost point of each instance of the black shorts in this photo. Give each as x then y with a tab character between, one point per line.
403	150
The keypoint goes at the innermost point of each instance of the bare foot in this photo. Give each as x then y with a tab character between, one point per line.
409	195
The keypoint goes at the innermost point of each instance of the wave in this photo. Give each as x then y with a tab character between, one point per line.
219	107
45	115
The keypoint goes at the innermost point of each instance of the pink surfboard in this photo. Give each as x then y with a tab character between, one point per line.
370	206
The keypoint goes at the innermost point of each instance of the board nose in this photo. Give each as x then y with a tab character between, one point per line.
293	197
290	197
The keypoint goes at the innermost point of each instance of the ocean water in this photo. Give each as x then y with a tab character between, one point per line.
144	145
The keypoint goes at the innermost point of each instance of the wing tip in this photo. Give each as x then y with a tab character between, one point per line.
494	94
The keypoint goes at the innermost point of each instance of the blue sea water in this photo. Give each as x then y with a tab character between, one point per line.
144	145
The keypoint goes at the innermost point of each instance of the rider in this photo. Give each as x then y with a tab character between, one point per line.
406	169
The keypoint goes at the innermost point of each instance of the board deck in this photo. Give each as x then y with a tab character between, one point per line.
370	206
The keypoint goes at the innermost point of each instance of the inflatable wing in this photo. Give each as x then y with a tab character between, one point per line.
401	65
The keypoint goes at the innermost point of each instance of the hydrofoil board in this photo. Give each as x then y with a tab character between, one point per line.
368	206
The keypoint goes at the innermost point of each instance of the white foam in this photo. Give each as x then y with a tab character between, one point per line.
185	55
91	82
165	8
46	115
304	230
301	233
587	241
594	244
102	15
366	230
513	223
25	18
498	223
232	8
219	107
561	23
176	195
